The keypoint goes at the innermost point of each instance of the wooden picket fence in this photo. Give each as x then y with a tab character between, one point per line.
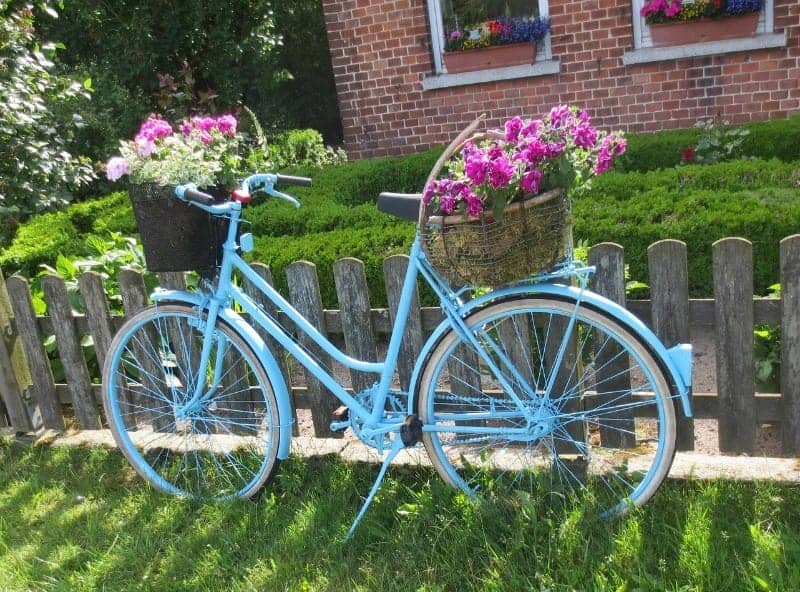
32	401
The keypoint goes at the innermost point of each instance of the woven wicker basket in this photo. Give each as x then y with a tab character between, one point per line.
531	236
176	236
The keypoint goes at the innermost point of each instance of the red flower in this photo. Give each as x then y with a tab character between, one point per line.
688	153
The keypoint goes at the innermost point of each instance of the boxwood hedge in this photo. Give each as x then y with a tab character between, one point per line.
651	200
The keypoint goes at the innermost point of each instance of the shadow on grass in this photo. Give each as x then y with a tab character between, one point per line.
79	519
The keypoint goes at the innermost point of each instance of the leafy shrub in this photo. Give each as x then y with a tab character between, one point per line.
303	147
37	172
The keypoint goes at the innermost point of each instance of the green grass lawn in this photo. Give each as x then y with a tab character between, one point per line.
79	519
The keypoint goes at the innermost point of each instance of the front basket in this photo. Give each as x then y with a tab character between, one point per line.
176	236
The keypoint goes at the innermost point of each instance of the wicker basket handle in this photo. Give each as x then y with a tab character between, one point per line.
454	146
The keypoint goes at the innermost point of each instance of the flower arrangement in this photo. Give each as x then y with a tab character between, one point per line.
561	150
497	32
203	150
669	11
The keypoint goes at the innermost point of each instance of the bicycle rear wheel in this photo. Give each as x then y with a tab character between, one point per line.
581	414
220	445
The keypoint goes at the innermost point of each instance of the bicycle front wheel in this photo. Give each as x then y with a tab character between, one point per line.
560	403
192	429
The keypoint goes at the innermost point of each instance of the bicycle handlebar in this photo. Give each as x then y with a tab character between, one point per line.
266	182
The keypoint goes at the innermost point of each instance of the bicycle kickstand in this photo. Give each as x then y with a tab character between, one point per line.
397	446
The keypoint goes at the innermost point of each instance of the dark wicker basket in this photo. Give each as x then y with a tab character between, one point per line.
531	236
177	236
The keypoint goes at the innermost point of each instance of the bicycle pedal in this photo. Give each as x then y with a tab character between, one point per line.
411	430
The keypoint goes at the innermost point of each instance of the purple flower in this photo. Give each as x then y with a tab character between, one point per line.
476	168
500	173
154	128
455	34
531	181
585	135
117	167
513	127
534	153
553	149
447	204
560	115
226	124
430	191
474	205
531	128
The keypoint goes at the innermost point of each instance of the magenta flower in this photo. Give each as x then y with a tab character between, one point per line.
226	124
500	173
447	204
560	115
585	135
531	181
455	34
117	167
429	193
476	169
513	127
474	205
154	128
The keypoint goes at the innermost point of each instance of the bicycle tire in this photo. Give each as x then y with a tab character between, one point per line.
603	435
226	447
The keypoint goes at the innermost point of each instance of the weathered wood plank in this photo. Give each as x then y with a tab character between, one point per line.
13	408
611	365
69	350
353	295
669	289
98	317
733	292
394	273
42	388
790	343
305	297
283	361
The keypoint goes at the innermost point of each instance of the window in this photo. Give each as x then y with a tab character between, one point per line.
446	16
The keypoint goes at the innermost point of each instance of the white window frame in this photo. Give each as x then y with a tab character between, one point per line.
437	35
643	50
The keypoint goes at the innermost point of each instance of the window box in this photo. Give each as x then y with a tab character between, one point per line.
703	30
485	58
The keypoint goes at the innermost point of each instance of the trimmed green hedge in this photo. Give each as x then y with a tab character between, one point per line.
756	199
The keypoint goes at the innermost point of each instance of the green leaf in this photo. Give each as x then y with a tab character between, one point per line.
87	84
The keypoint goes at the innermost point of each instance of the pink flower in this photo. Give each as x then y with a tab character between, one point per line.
531	128
206	137
560	115
513	127
474	205
226	124
585	135
117	167
428	194
476	168
144	146
531	181
500	173
447	204
455	34
154	128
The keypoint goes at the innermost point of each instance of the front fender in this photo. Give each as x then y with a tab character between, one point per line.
676	361
285	415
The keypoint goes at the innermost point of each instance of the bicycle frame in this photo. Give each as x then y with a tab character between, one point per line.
677	360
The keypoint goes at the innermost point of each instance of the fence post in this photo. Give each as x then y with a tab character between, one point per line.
274	347
304	294
733	293
11	401
71	353
790	343
394	273
669	302
351	289
613	375
42	385
97	315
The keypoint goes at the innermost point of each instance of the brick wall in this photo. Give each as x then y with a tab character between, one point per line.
380	51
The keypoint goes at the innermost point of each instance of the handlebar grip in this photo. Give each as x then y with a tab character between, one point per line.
197	196
292	180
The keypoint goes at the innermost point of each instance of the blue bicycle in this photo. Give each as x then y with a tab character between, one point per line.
538	386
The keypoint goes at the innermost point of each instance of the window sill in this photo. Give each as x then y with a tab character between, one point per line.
541	68
659	54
